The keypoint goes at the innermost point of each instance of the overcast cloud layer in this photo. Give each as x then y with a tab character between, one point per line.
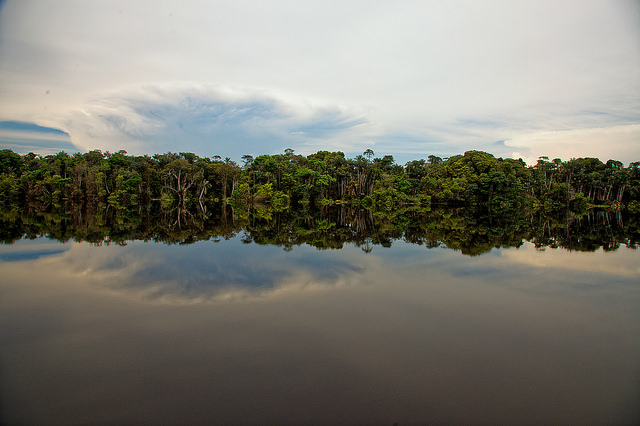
515	78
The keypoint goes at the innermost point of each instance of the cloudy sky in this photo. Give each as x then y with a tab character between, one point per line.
407	78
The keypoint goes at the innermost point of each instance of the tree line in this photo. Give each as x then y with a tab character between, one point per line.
185	181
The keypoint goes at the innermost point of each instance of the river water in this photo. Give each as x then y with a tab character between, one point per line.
230	331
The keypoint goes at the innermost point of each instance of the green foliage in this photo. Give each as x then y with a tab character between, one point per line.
241	196
10	162
280	181
275	199
634	207
166	200
578	203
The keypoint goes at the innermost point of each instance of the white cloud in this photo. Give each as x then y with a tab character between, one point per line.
617	142
453	75
146	273
621	264
205	119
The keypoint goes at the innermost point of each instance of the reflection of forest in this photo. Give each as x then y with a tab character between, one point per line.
472	232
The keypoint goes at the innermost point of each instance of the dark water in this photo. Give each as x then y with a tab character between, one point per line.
234	332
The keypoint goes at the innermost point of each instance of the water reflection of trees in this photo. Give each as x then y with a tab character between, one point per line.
471	232
594	230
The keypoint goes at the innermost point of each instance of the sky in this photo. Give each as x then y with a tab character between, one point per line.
518	79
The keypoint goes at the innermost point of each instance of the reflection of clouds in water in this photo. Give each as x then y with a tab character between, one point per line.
623	262
31	249
206	272
558	275
502	340
212	272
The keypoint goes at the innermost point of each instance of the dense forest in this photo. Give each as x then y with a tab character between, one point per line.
185	181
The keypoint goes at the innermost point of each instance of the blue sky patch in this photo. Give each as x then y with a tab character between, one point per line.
30	127
23	137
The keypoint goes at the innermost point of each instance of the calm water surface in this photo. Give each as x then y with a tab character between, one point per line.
228	332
